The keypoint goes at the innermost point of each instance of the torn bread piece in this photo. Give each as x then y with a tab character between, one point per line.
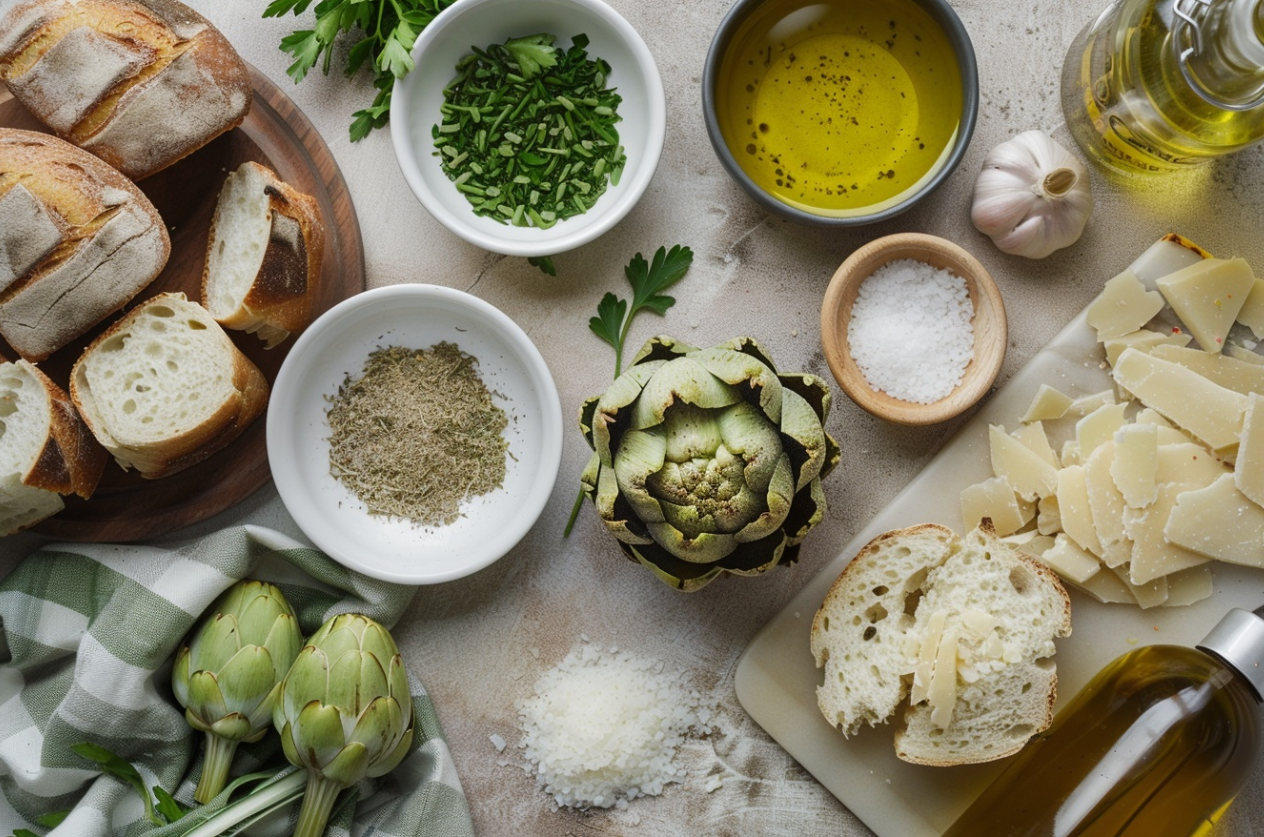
961	628
264	256
164	387
45	449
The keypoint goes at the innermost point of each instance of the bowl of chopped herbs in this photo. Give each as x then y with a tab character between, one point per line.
529	129
414	433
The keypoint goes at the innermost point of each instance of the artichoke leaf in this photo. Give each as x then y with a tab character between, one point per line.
283	642
807	510
348	766
661	347
344	688
608	420
812	388
318	734
391	760
671	570
748	432
754	380
779	498
216	642
706	548
307	677
640	457
690	433
680	380
235	727
257	618
588	479
378	728
758	557
247	679
800	423
616	512
205	697
180	676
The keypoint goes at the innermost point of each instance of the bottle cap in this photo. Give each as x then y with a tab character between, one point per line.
1238	640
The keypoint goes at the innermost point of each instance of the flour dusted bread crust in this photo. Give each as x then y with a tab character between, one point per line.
957	630
139	83
77	242
45	450
263	256
164	387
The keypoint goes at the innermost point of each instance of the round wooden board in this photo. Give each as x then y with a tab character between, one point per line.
126	507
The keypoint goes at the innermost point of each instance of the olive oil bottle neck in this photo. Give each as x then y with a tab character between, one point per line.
1238	641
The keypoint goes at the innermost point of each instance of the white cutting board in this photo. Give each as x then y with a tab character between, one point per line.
777	678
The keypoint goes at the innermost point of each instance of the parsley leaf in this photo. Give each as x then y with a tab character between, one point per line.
390	29
533	53
648	280
545	263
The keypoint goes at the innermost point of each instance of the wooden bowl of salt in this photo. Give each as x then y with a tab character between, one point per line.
913	328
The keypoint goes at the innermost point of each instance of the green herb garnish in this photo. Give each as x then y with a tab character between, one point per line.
527	131
614	317
648	280
167	809
389	29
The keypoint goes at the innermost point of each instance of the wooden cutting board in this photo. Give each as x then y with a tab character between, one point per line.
126	507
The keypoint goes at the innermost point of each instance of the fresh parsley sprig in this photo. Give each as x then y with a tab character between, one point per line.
648	280
389	28
614	315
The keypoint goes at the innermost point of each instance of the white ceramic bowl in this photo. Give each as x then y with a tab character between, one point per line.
337	345
417	97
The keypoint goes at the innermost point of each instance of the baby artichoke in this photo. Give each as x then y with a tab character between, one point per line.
345	712
229	674
708	461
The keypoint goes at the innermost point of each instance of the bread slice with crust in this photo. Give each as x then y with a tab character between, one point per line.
45	450
264	255
139	83
957	630
78	241
164	387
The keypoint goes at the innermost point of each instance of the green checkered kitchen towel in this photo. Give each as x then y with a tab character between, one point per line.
87	633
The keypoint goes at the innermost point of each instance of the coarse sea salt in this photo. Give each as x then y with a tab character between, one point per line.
911	332
603	727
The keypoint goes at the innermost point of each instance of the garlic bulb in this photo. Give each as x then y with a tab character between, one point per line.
1032	196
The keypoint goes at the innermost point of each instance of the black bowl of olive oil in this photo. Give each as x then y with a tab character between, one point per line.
840	112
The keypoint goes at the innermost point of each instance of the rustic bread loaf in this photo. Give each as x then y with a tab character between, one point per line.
139	83
45	450
164	387
961	626
263	257
77	242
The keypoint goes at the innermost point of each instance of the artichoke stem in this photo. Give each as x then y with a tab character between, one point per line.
318	801
215	766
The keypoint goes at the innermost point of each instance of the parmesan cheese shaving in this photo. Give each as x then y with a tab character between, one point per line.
604	727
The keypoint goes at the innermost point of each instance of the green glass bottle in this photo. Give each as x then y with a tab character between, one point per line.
1160	85
1156	745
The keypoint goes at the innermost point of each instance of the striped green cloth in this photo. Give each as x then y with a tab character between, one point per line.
87	633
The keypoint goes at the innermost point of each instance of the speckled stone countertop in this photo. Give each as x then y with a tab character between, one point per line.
479	643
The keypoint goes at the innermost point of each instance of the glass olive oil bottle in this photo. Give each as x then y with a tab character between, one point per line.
1159	85
1156	745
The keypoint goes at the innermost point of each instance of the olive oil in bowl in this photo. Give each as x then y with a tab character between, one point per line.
839	109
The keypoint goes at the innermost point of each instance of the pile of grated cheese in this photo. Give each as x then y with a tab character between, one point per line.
604	727
911	332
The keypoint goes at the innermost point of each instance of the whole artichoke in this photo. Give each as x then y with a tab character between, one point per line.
708	461
228	675
345	712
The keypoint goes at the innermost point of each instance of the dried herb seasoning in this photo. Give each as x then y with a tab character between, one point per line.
417	433
527	131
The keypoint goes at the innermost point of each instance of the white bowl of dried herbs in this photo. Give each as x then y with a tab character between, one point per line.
529	128
414	433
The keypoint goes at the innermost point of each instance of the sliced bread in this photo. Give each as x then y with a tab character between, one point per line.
45	450
264	255
958	630
164	387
